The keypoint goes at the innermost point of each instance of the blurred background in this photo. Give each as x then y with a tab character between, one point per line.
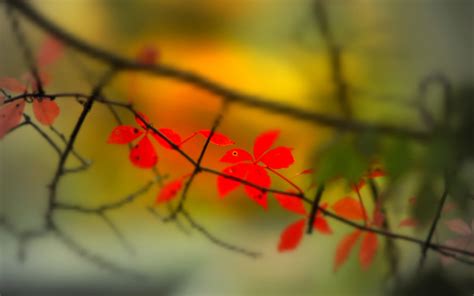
271	48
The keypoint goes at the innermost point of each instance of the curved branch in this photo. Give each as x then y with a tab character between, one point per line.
210	86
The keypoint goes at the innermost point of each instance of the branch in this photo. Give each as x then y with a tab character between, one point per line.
212	87
314	208
195	225
432	230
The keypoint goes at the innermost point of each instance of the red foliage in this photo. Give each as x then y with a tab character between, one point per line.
45	109
217	138
291	237
291	203
352	209
252	169
148	55
169	191
10	116
349	208
142	154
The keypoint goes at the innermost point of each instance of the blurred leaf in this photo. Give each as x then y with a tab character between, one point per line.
439	155
340	160
367	143
426	204
397	157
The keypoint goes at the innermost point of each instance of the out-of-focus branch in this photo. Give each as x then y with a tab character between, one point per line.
226	93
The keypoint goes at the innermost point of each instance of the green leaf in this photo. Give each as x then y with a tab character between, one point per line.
340	160
397	157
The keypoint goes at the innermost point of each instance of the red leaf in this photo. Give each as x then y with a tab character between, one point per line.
278	158
291	203
10	116
140	121
236	155
305	172
31	80
378	217
258	176
322	225
291	237
50	51
143	155
344	248
169	191
124	134
263	142
147	55
368	249
408	222
376	173
12	85
459	226
226	185
217	138
357	187
454	243
349	208
173	136
46	110
448	207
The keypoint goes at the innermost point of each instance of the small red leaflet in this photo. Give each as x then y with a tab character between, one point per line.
46	110
148	55
253	169
217	138
10	116
143	154
291	237
12	85
463	240
349	208
367	251
170	190
372	174
50	51
369	243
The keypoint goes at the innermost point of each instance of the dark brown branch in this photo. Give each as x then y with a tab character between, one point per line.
197	166
120	236
95	259
335	57
23	238
314	208
26	49
390	247
106	207
228	94
42	133
198	227
434	247
72	138
439	210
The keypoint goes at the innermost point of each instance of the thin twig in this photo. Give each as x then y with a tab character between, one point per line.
314	208
432	230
